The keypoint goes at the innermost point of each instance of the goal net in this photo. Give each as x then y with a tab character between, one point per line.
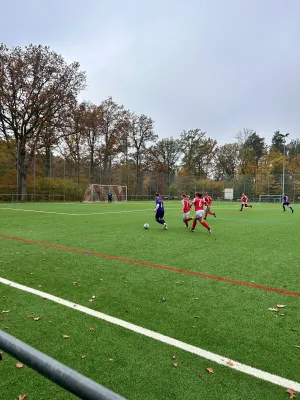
270	198
99	193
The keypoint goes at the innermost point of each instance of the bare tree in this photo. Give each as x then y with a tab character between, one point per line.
114	119
141	133
36	87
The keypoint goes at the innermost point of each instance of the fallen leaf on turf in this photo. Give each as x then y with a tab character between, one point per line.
66	336
291	393
163	299
196	298
36	318
5	311
111	359
93	297
193	326
210	370
298	347
281	315
174	357
1	319
91	329
199	374
19	365
74	283
83	356
230	363
91	300
280	305
272	309
175	364
293	329
23	397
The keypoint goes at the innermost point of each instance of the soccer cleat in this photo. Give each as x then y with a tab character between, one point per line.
292	210
192	230
165	226
209	230
215	215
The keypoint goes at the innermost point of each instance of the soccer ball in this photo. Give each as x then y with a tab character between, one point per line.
146	226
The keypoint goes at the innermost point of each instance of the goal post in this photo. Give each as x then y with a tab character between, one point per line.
270	198
98	193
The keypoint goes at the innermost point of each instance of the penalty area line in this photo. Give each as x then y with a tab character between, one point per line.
257	373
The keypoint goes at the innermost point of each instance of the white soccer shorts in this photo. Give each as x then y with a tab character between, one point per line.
199	213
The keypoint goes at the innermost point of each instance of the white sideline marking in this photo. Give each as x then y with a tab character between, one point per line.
98	213
65	213
266	376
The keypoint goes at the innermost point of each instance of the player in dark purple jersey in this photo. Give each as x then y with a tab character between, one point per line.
159	211
286	203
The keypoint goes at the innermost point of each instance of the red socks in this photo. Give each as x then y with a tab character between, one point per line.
205	224
194	224
186	220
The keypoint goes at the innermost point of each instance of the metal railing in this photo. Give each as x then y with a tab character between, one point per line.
67	378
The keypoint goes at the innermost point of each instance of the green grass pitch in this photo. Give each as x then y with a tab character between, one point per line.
259	246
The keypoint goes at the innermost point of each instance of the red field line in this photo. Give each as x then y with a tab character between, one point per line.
147	264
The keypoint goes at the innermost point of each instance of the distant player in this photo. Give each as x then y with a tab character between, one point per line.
109	197
159	211
199	204
186	208
244	200
286	203
208	201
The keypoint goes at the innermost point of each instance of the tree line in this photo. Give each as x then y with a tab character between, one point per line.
40	115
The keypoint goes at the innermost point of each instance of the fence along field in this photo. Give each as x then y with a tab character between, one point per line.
65	185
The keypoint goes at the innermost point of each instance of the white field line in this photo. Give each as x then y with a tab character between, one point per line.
73	214
97	213
257	373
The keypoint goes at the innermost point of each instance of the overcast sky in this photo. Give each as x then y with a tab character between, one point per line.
218	65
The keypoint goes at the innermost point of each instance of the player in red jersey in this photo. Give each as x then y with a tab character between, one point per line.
208	201
186	208
199	204
244	200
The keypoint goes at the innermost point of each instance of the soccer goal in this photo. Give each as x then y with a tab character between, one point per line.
270	198
98	193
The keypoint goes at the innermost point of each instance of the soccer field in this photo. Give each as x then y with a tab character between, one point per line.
192	318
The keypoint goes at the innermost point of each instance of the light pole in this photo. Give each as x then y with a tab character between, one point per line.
283	161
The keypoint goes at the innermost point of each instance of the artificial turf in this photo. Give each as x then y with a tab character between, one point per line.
259	245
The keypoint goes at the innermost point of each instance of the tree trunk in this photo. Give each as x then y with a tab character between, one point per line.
22	189
48	161
92	162
137	175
